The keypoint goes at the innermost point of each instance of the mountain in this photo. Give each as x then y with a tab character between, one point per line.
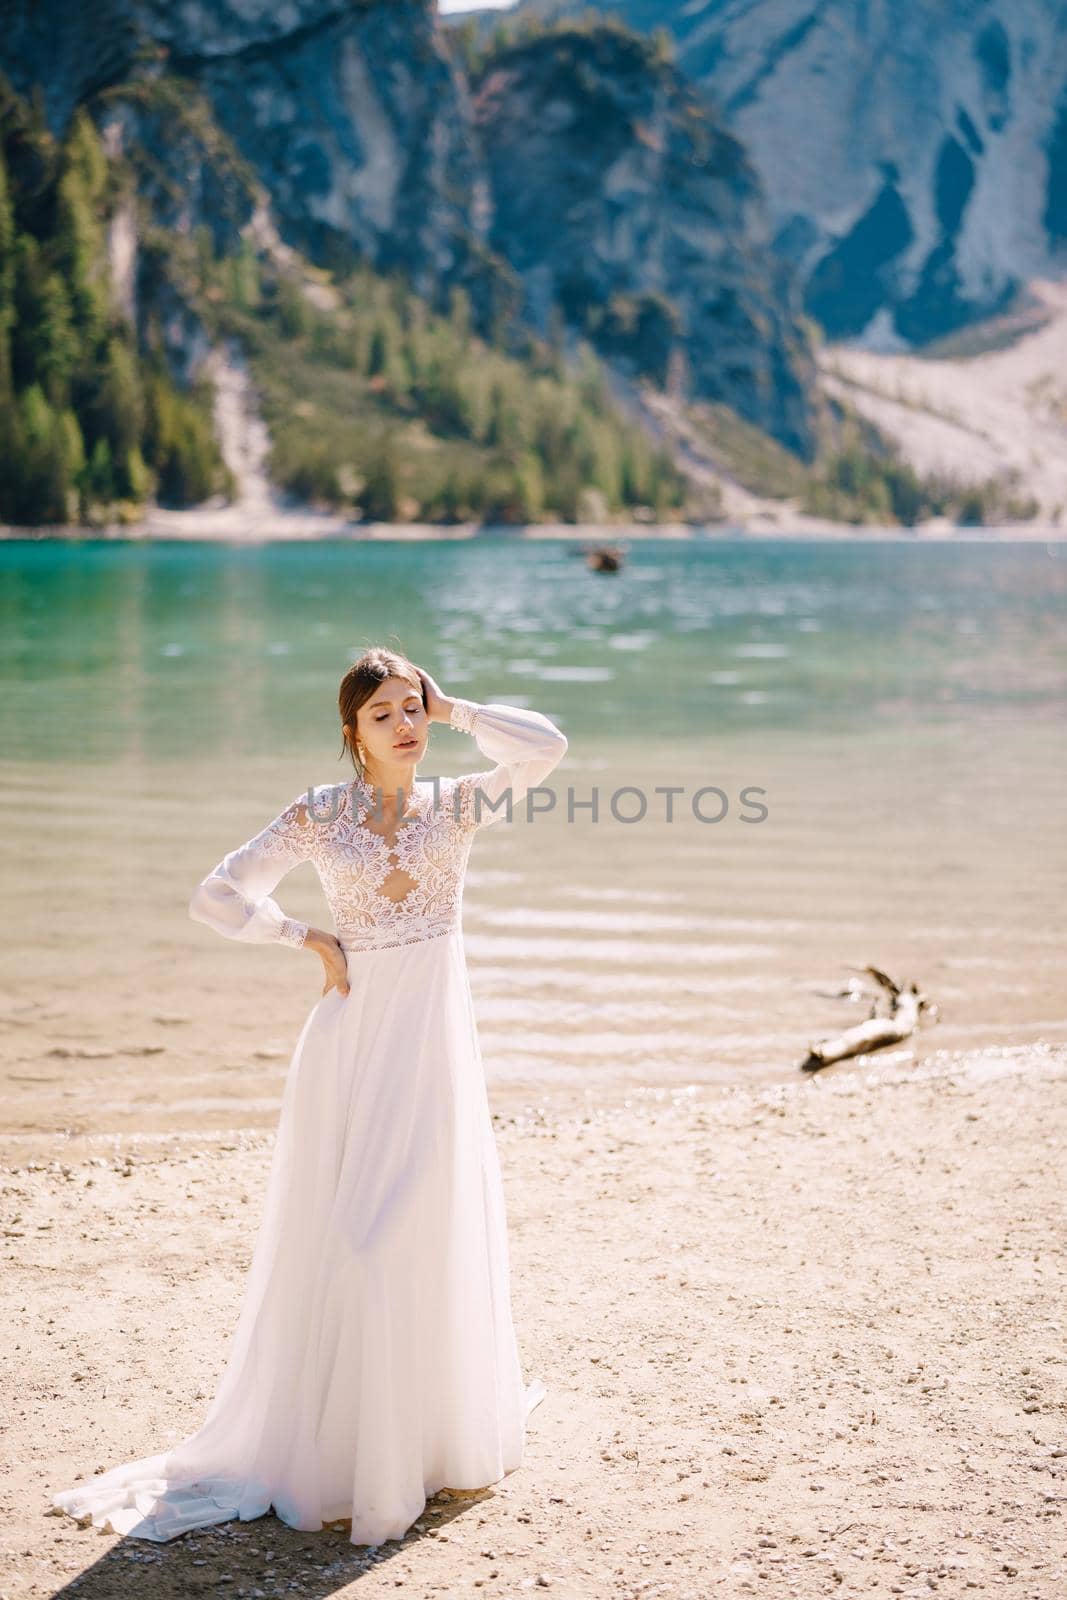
913	155
351	112
620	199
358	120
162	348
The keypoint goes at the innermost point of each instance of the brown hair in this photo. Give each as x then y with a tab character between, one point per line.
360	682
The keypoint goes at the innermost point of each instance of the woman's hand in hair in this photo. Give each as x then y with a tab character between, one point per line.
438	705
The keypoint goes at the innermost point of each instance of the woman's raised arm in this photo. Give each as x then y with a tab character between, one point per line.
526	747
235	897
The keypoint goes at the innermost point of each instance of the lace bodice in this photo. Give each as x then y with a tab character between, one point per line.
383	891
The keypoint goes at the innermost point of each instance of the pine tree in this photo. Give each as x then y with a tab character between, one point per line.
119	408
294	309
74	455
100	485
11	458
7	280
245	290
381	493
530	487
459	314
54	340
44	476
79	245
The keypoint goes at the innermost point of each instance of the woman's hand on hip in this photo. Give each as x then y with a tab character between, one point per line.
334	961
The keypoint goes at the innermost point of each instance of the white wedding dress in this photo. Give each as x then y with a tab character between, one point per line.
374	1361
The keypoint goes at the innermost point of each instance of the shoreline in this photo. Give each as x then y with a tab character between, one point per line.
200	528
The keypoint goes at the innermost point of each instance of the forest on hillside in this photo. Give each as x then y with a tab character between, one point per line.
378	406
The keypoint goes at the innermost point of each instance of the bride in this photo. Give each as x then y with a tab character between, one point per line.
374	1361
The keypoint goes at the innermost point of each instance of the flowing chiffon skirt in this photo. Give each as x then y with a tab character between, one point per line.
374	1361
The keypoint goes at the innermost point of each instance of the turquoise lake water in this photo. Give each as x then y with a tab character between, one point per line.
900	707
114	650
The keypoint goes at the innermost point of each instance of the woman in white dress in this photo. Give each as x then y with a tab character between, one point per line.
374	1362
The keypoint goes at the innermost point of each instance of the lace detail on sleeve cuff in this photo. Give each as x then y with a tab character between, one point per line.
293	932
462	715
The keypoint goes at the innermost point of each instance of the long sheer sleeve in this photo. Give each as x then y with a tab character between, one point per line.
526	747
235	897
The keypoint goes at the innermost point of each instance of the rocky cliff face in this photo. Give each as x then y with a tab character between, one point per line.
618	197
585	173
351	112
914	155
356	120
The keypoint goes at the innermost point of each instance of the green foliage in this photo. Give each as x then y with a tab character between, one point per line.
180	443
42	460
866	479
384	408
117	407
465	47
242	271
642	330
49	342
85	423
858	477
479	49
78	242
381	494
314	477
8	236
293	310
378	403
101	482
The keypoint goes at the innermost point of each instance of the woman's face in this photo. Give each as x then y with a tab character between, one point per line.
393	726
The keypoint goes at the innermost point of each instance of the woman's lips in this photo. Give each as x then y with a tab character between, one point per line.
405	744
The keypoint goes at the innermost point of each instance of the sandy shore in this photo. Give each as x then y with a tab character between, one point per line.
800	1340
222	528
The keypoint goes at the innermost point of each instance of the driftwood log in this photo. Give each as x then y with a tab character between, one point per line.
906	1007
